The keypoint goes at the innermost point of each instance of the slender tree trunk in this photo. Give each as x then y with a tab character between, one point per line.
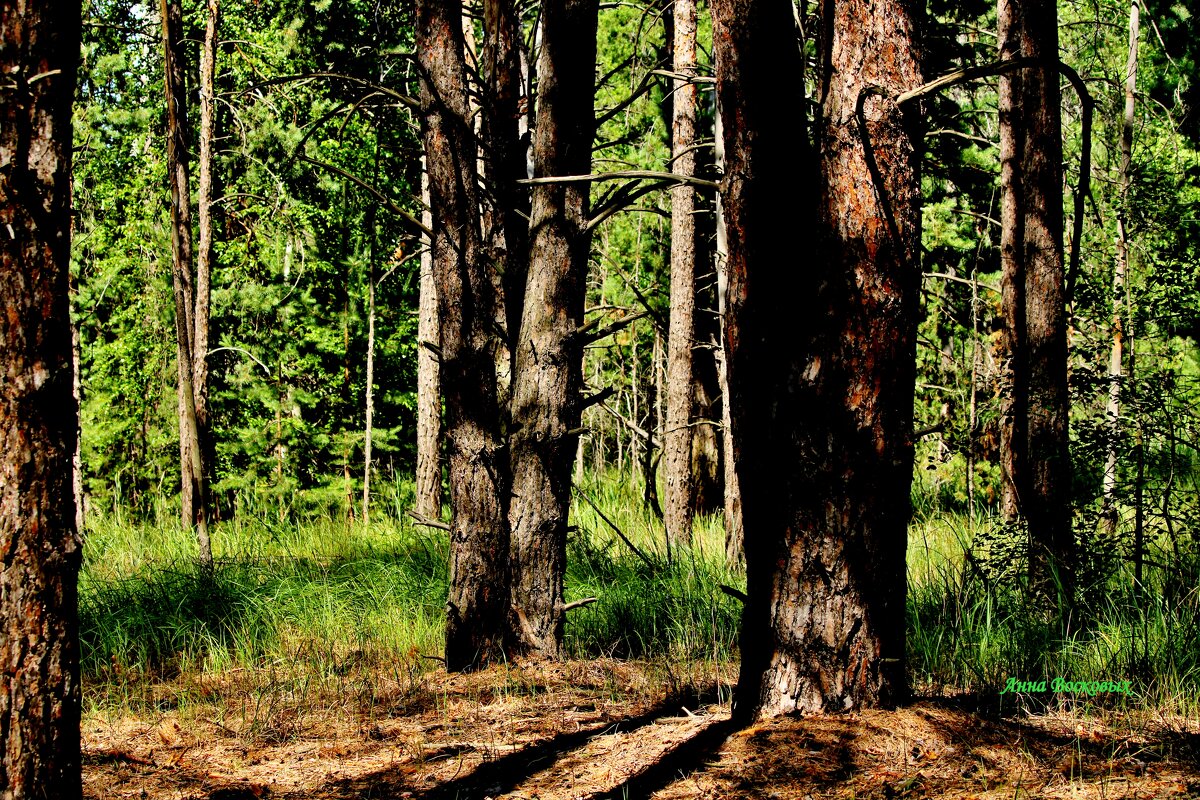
39	662
194	509
821	356
732	493
429	402
505	107
369	411
548	372
680	488
205	252
478	605
1120	269
1035	461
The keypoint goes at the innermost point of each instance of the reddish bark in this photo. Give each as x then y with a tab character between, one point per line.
39	546
821	353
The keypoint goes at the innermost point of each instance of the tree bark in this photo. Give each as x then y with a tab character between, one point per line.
734	555
548	373
478	605
1035	462
39	663
1120	270
428	490
680	500
205	251
191	459
821	356
505	107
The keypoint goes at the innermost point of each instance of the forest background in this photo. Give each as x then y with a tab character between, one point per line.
315	308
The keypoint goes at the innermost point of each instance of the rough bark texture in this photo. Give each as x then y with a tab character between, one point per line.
505	106
1120	268
39	546
205	252
821	355
479	486
732	492
679	503
191	459
548	372
1035	463
428	490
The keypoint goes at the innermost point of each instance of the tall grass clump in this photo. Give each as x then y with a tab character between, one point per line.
318	593
973	623
648	605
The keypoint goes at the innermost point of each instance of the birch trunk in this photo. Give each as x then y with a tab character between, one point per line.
1120	271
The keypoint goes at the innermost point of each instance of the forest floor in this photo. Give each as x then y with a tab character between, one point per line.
601	729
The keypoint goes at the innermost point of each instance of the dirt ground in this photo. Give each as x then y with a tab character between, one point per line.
605	729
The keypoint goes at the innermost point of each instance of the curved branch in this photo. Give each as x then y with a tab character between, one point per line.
1087	103
403	99
378	195
639	174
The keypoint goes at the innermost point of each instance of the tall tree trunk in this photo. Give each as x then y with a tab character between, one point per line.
191	458
1120	270
679	506
505	106
39	662
369	403
369	410
732	493
821	357
548	372
478	605
428	490
205	252
1035	462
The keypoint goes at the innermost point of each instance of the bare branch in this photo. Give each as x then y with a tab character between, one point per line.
403	99
610	329
579	603
374	192
645	559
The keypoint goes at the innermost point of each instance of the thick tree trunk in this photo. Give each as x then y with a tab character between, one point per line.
821	357
478	605
548	372
1120	269
1035	462
39	662
191	458
679	506
428	490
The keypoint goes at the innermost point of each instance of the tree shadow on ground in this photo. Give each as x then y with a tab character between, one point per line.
505	773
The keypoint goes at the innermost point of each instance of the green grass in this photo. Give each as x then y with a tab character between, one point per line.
312	599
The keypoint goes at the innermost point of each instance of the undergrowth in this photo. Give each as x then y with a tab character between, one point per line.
318	600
